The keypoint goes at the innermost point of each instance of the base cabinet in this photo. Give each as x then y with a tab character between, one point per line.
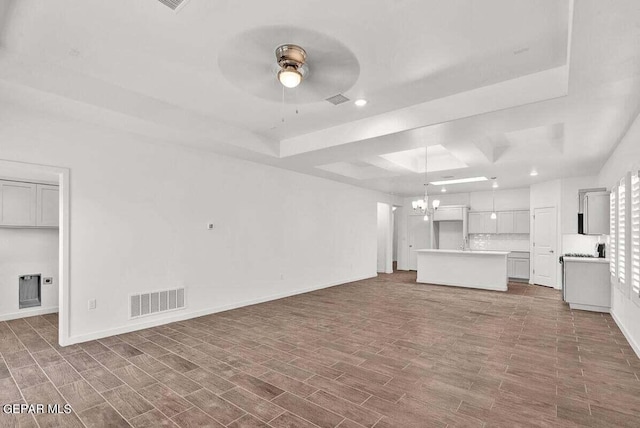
518	265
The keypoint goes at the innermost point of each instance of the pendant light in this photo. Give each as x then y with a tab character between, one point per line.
426	183
493	197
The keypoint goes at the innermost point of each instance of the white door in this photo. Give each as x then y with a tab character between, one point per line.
419	233
545	259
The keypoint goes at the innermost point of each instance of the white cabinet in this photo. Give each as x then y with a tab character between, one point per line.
18	203
476	223
448	214
522	222
506	222
28	204
47	205
596	213
518	265
586	284
481	222
520	268
513	222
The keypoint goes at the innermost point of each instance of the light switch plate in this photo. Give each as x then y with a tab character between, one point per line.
210	226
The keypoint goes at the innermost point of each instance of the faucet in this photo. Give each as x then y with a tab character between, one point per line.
464	245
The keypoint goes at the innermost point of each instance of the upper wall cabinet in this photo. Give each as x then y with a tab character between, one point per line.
595	219
513	222
47	205
481	222
450	213
522	221
18	203
507	222
28	204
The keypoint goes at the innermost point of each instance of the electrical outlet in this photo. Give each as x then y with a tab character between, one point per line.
210	226
47	280
92	304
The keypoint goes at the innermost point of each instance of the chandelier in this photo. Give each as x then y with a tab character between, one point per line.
422	205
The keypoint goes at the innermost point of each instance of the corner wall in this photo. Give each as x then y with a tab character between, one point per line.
626	157
139	210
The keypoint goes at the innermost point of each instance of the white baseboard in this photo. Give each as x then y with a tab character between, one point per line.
634	345
24	313
189	315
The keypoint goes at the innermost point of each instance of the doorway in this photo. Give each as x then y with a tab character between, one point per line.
34	222
419	235
544	247
385	238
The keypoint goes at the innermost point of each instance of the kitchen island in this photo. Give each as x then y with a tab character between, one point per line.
486	270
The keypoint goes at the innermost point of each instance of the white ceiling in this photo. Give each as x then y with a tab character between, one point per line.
494	88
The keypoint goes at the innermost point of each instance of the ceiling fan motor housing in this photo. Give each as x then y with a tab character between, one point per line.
290	56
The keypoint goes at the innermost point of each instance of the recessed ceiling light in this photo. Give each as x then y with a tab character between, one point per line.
495	185
443	190
533	173
361	102
459	181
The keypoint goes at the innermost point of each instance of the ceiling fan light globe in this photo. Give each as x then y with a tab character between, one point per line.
290	78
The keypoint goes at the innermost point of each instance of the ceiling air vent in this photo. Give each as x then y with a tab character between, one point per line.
174	5
337	99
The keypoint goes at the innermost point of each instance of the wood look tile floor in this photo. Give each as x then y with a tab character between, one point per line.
384	352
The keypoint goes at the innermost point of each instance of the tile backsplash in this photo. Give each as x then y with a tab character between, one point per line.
582	244
501	242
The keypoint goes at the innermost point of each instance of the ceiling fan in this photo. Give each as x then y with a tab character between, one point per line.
291	59
317	65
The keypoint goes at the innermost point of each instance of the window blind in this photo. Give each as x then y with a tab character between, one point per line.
613	249
635	234
622	230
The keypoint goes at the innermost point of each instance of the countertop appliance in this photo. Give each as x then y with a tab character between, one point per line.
601	250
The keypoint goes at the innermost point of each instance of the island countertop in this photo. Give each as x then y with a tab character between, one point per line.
471	252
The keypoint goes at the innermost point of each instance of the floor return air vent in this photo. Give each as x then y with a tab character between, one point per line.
154	302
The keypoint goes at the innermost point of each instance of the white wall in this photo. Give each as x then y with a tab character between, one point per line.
138	213
23	252
385	238
626	157
396	227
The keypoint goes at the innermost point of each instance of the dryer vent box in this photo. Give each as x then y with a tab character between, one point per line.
29	294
